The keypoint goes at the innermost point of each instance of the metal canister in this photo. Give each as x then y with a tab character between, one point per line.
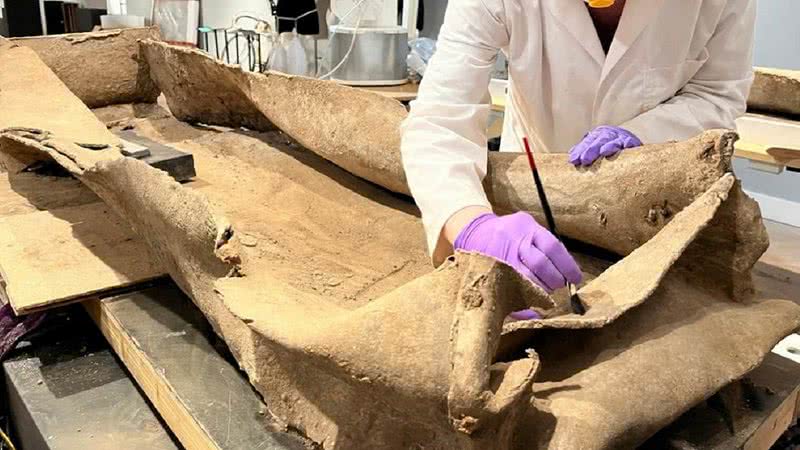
378	55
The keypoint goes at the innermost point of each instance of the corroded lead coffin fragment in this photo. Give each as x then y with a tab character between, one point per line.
102	67
417	364
776	91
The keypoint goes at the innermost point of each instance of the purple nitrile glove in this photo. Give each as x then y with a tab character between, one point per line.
525	314
12	327
519	241
602	142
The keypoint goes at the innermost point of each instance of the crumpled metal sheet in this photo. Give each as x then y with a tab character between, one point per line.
418	365
775	90
101	67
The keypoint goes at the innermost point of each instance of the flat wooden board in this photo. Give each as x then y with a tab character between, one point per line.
783	374
182	366
26	193
765	154
64	254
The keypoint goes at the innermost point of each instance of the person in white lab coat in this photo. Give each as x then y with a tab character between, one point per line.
596	81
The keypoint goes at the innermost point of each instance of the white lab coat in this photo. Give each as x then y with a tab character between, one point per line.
674	69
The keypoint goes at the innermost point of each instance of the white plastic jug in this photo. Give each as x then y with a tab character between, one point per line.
277	58
297	63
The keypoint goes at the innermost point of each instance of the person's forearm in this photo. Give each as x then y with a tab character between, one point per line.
452	228
461	219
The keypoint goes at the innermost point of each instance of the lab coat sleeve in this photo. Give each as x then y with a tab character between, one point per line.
444	145
717	94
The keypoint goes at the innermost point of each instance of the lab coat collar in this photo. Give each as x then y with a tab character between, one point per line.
574	16
635	18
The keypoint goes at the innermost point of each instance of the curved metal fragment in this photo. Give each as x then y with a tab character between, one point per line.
417	363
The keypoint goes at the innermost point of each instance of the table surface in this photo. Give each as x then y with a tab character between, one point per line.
186	371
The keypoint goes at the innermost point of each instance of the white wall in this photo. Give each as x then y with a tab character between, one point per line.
778	34
135	7
220	13
140	8
95	4
214	13
777	44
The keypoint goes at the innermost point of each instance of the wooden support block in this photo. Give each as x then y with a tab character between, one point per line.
775	425
758	418
175	357
66	390
796	410
789	157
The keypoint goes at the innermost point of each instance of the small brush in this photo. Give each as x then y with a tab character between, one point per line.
574	299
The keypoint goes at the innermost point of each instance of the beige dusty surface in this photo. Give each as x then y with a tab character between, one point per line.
101	68
32	106
361	140
64	254
268	158
297	216
24	193
614	216
353	340
660	180
59	242
775	90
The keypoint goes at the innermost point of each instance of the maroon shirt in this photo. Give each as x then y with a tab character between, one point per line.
606	21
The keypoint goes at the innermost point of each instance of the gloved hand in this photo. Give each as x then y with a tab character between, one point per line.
602	142
519	241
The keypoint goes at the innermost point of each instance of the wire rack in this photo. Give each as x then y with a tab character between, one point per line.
249	48
237	46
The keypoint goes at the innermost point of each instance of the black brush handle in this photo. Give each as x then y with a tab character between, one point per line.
574	298
548	213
